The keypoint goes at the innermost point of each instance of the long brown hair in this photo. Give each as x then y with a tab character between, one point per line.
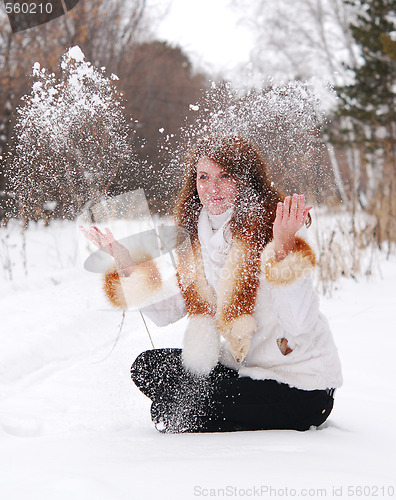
257	197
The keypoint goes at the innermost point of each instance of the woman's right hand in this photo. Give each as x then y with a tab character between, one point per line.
108	244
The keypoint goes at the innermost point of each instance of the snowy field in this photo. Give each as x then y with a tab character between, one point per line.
73	426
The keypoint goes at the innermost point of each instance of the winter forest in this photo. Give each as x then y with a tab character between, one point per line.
97	110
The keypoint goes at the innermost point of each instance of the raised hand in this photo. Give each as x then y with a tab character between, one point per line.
290	217
108	244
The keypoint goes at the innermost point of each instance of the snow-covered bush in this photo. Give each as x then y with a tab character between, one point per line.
71	139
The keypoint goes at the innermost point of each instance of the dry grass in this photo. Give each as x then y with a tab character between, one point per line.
346	247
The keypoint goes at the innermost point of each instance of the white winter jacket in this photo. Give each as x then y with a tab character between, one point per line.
281	312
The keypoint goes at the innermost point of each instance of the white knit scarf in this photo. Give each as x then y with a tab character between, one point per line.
215	238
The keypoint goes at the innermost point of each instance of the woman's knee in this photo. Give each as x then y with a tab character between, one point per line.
148	361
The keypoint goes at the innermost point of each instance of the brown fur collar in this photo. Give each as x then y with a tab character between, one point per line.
236	296
238	285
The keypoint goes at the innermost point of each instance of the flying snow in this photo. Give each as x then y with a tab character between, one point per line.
284	121
71	138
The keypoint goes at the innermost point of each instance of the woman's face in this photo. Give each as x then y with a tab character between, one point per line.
217	190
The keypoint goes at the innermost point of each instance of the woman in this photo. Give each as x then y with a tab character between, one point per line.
257	352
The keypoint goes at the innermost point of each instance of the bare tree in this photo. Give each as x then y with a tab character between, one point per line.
298	39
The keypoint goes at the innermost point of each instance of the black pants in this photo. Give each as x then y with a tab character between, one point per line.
222	402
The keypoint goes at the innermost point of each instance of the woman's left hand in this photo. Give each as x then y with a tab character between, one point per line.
290	217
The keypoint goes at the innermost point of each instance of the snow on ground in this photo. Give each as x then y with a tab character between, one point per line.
72	425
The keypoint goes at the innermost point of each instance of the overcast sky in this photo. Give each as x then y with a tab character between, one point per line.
209	32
